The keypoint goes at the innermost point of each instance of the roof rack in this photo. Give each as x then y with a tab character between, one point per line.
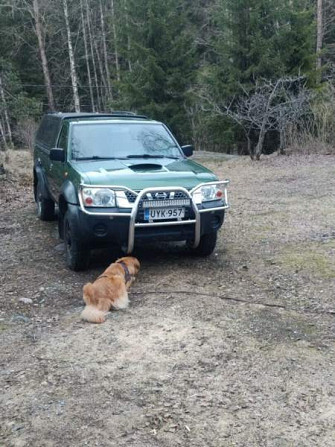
127	113
114	114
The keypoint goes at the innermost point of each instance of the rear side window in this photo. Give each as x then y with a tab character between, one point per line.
48	132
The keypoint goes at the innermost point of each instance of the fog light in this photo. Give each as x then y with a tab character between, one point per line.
215	222
100	230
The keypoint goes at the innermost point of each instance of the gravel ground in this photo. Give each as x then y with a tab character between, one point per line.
233	350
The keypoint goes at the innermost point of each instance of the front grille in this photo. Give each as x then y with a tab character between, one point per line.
160	199
130	196
166	195
156	199
180	195
165	199
165	203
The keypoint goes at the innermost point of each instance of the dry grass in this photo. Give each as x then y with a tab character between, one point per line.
18	164
315	259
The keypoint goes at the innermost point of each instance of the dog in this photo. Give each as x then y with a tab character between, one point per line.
109	290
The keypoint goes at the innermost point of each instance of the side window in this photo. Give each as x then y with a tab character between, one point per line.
48	131
63	138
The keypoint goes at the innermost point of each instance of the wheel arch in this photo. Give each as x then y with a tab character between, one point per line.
39	178
68	195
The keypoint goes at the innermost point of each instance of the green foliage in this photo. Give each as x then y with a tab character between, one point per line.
261	39
164	58
17	104
163	64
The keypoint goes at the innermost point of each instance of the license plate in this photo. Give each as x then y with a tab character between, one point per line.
164	213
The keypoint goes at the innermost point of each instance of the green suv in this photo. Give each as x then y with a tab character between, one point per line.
121	178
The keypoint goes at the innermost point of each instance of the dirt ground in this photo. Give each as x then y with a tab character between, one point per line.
233	350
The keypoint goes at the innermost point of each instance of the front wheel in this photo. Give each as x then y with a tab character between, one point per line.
77	256
207	244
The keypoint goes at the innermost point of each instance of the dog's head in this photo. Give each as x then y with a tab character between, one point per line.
133	264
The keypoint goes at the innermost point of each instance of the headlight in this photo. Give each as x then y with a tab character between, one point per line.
99	197
208	193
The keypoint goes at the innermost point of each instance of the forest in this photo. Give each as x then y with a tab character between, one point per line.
235	76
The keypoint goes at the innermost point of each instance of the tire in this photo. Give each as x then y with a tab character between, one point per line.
45	207
60	222
207	244
77	255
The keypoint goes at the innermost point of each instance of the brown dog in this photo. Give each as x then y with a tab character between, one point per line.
110	290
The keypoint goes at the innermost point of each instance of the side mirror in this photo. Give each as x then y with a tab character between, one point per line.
188	150
57	154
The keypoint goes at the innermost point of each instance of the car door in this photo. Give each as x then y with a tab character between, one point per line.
57	169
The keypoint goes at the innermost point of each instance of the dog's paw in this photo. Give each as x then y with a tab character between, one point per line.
100	320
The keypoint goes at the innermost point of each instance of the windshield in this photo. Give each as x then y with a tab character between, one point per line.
121	140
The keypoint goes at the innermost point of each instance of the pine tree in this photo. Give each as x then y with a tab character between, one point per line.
262	39
162	61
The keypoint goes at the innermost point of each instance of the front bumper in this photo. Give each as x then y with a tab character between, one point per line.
124	226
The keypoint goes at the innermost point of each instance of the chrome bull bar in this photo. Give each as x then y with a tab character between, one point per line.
135	207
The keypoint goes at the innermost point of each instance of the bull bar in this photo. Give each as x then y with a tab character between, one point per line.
140	195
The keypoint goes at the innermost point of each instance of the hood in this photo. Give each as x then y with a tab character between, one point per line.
141	173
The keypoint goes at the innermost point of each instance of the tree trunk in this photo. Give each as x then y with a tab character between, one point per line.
128	36
116	51
87	58
260	142
6	117
262	131
104	47
319	33
41	46
249	146
90	38
283	143
3	135
74	78
103	94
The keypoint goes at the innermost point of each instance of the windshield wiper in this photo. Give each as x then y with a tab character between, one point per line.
97	157
151	156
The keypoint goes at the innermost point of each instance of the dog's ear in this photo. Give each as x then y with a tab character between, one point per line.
136	264
133	264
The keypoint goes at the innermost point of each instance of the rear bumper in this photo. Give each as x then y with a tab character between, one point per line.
101	227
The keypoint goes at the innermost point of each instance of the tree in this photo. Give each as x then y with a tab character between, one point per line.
319	32
328	33
163	58
271	105
87	58
35	12
31	10
15	105
73	72
247	43
162	61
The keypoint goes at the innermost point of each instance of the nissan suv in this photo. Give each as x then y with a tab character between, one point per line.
118	179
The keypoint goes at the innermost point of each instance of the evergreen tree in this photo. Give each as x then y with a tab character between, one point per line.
252	40
162	59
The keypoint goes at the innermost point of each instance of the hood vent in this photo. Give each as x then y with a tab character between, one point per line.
146	167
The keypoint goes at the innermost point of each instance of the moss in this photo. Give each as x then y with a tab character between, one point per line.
316	258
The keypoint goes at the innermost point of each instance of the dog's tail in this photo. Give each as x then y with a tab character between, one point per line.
93	315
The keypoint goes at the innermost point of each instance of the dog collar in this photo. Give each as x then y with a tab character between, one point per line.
127	275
